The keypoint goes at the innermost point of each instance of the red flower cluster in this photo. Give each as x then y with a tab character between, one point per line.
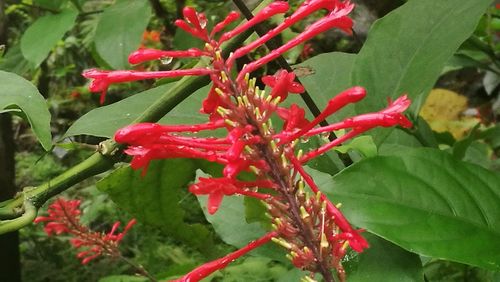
64	217
308	225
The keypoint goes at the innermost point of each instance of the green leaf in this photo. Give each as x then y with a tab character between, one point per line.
362	144
14	61
383	261
123	278
406	50
50	4
18	93
112	117
425	201
44	34
120	30
157	199
330	74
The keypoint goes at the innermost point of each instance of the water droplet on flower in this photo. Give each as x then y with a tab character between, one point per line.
166	60
203	22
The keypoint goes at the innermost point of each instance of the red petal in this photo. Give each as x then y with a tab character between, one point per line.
214	201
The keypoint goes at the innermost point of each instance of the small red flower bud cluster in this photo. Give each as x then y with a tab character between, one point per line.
64	218
305	222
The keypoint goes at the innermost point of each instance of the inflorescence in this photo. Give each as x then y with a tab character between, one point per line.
311	228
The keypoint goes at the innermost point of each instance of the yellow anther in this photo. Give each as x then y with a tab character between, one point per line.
230	122
265	128
324	242
248	149
282	243
338	206
246	101
276	100
222	111
209	47
256	111
252	83
300	154
268	98
240	101
303	213
307	279
284	161
254	169
262	94
318	196
274	147
247	77
219	91
345	245
223	75
270	123
218	55
301	185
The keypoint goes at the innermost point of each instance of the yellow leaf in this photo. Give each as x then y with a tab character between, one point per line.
442	110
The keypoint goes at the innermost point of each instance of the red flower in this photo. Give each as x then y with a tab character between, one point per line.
64	217
282	83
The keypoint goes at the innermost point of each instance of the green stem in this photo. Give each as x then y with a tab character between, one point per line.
30	212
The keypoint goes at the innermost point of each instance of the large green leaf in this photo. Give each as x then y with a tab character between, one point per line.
328	75
406	50
158	198
117	115
384	261
19	95
425	201
44	33
120	29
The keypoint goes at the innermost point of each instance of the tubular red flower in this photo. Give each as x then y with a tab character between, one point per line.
351	95
208	268
64	217
143	55
356	241
230	18
303	11
336	18
277	7
149	132
101	79
282	83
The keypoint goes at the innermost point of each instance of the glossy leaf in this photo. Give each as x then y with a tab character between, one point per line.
155	199
425	201
405	53
44	34
328	75
19	95
383	261
117	115
120	30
